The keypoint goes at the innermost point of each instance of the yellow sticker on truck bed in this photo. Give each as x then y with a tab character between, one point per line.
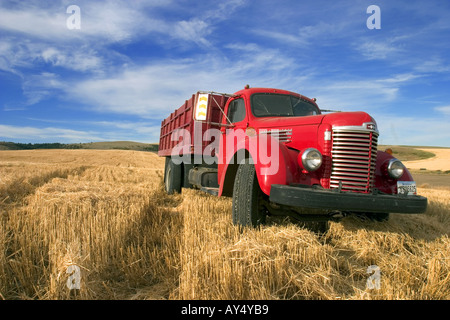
201	107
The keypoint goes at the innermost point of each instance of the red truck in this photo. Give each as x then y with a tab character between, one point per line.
275	152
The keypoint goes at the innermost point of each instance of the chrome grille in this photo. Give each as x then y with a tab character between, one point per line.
354	156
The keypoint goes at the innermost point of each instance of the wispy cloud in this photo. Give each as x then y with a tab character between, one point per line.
434	64
399	78
282	37
445	110
401	130
377	50
320	34
38	87
152	90
33	20
117	21
47	134
82	59
109	130
194	30
351	95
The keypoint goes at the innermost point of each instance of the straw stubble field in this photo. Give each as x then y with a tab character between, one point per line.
106	212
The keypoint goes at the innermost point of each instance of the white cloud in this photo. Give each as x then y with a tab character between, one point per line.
17	55
34	21
376	50
81	59
111	22
353	95
148	91
283	37
116	84
445	110
325	30
13	56
361	93
36	32
399	78
159	87
312	35
194	30
431	65
108	130
38	87
47	134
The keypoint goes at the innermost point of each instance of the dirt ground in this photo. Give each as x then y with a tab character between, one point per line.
425	172
431	180
440	162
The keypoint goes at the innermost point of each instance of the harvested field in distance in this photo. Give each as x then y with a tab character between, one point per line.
441	160
406	153
106	212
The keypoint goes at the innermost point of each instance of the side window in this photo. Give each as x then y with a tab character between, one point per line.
236	110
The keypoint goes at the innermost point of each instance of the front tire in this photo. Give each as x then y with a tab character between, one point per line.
248	199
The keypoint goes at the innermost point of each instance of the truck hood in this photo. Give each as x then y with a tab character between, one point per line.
339	119
336	119
303	132
284	122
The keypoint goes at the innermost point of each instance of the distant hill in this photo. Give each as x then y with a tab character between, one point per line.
408	153
120	145
404	153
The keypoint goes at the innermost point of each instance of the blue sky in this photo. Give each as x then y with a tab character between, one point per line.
131	63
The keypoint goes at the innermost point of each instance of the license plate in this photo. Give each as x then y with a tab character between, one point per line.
406	187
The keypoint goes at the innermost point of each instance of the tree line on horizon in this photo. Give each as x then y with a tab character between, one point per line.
56	145
31	146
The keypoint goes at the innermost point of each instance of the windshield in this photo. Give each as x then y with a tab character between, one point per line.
281	105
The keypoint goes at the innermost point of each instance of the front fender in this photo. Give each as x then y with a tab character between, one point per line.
383	182
274	162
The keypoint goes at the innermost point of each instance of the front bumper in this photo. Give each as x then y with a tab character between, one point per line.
307	197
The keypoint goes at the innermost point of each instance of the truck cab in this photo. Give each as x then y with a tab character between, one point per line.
275	152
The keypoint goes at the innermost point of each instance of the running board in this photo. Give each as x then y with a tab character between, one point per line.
203	177
213	191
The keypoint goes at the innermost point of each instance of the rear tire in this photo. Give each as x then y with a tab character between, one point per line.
172	177
248	199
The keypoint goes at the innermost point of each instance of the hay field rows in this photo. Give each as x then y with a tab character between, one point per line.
107	213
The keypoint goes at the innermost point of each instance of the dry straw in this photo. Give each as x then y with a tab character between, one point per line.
107	213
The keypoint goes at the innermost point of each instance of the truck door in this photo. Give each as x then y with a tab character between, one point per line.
237	115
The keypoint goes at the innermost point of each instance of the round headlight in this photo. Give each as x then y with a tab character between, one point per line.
311	159
395	168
